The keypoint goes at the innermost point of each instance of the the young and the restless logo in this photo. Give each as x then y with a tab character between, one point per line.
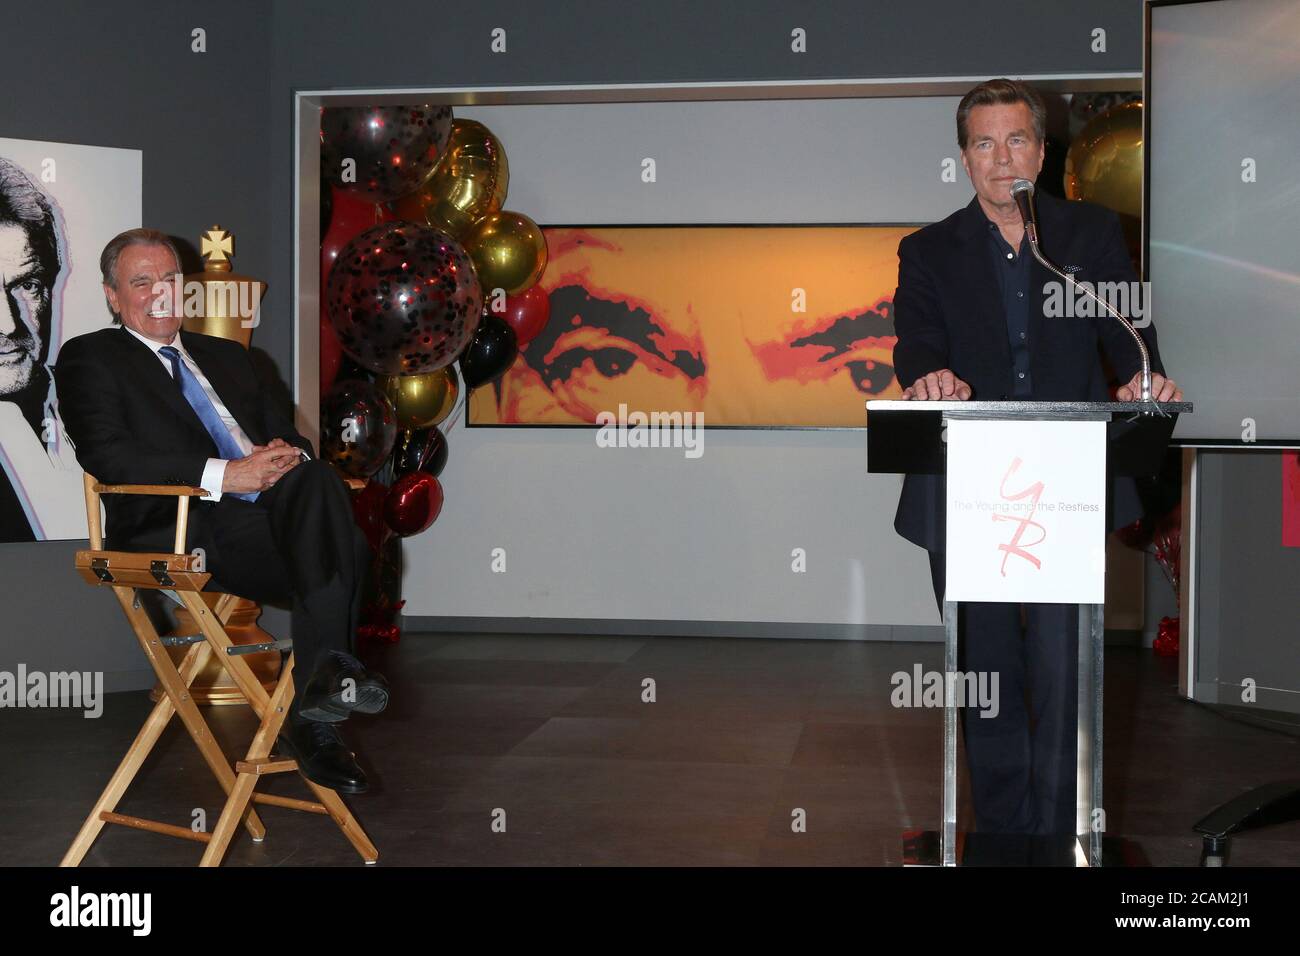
1025	502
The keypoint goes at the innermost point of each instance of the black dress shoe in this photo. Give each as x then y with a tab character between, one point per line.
322	756
340	685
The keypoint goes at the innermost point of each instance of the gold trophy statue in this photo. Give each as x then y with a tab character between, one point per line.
230	304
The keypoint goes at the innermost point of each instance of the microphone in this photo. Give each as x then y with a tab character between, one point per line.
1022	190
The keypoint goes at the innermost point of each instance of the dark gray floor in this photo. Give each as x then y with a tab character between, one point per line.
553	731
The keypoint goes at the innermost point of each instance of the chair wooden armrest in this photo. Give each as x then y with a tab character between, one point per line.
151	490
94	488
182	493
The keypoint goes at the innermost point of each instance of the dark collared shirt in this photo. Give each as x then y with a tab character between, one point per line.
1013	279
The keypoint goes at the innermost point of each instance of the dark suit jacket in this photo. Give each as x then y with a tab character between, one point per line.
948	314
130	424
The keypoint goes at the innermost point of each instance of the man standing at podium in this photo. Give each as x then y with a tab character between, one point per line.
972	324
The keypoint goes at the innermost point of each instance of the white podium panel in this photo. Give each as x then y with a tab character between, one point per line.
1026	511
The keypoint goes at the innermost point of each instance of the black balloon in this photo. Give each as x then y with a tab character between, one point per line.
394	147
490	352
358	427
423	449
403	298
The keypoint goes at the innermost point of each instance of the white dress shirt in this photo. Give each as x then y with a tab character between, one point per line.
214	471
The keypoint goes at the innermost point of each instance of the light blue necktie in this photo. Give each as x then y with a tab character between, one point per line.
227	447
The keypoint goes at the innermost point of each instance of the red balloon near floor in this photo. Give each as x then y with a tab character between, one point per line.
413	503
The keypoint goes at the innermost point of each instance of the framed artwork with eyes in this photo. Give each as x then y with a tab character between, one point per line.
755	326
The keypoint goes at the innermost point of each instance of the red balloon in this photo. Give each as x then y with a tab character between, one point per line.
351	217
368	512
331	353
410	207
413	503
527	313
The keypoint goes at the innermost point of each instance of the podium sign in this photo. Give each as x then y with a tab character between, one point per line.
1027	519
1026	522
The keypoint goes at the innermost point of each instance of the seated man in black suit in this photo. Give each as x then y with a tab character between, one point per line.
145	402
971	323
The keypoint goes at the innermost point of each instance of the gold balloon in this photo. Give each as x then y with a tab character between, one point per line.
424	399
509	252
468	184
1104	163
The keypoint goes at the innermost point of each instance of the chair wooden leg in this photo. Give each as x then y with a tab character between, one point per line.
135	756
239	783
186	709
342	817
333	803
272	718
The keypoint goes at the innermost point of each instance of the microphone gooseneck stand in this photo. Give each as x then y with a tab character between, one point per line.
1031	231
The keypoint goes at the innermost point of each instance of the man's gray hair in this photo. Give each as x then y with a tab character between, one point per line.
1002	92
124	240
24	204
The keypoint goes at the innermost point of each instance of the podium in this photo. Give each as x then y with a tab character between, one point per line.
1025	521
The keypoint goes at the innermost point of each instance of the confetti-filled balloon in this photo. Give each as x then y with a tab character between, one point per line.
404	299
382	152
357	427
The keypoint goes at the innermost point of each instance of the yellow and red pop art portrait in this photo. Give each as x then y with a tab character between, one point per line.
752	325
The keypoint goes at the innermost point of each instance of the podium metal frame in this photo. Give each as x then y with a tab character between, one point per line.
1138	433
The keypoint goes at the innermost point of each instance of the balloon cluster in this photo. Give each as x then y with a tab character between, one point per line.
422	271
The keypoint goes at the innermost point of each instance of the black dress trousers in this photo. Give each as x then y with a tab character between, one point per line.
297	544
1021	762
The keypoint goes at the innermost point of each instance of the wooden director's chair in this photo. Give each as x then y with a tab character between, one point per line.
128	573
